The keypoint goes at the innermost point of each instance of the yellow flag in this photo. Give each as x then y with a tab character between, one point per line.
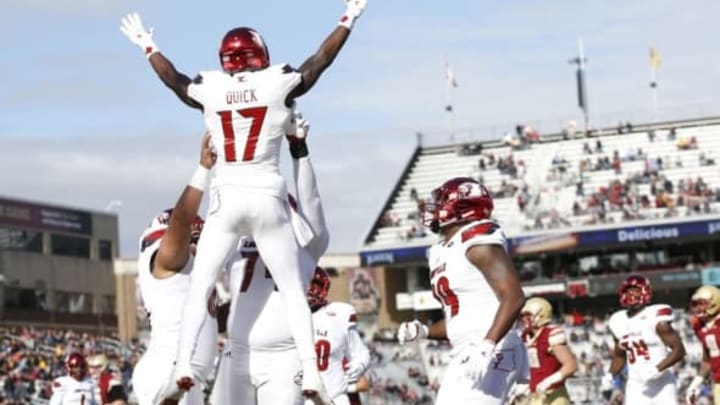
654	58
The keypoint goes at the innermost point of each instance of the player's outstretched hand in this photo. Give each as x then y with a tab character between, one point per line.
354	10
479	356
299	127
354	370
411	331
131	25
208	157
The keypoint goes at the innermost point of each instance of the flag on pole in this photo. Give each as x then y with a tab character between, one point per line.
654	63
654	58
450	76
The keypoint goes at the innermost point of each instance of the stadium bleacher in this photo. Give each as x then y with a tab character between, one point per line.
557	184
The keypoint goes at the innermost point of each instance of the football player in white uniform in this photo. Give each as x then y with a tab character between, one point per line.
474	279
342	354
77	387
165	262
247	107
259	340
646	341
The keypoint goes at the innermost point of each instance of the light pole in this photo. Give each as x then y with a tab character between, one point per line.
581	61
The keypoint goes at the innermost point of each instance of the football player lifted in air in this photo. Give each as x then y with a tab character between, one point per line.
549	358
342	355
474	279
259	336
108	382
75	388
646	342
247	106
165	262
705	307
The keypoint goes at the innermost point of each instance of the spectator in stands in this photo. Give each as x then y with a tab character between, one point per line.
616	165
672	134
651	135
686	143
413	194
705	160
598	146
530	134
512	140
586	149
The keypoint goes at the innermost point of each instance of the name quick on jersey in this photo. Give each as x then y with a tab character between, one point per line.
240	96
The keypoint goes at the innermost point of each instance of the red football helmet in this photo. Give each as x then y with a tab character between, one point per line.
635	292
460	199
243	49
76	366
318	289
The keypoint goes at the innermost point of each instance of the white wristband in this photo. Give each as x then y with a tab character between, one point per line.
150	51
199	178
347	21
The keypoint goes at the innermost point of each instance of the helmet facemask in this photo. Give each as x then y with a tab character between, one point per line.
318	290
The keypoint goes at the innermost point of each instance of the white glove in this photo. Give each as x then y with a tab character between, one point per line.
132	26
549	381
693	390
354	371
223	295
354	10
479	356
299	127
607	382
518	391
312	383
411	331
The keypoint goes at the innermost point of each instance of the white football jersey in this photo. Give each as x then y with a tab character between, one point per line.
69	391
257	317
468	300
247	118
330	329
164	299
638	337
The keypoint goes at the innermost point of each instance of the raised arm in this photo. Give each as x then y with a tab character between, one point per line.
178	82
316	64
174	249
308	196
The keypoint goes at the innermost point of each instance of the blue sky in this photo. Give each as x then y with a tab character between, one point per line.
84	120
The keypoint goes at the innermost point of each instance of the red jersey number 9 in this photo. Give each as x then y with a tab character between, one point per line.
442	291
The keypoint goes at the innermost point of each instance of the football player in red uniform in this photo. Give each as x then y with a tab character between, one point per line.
475	281
550	359
108	383
646	342
705	307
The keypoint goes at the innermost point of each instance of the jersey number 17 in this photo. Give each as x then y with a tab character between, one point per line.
257	115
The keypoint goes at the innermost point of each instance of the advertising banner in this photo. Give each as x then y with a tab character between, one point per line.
28	215
563	240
